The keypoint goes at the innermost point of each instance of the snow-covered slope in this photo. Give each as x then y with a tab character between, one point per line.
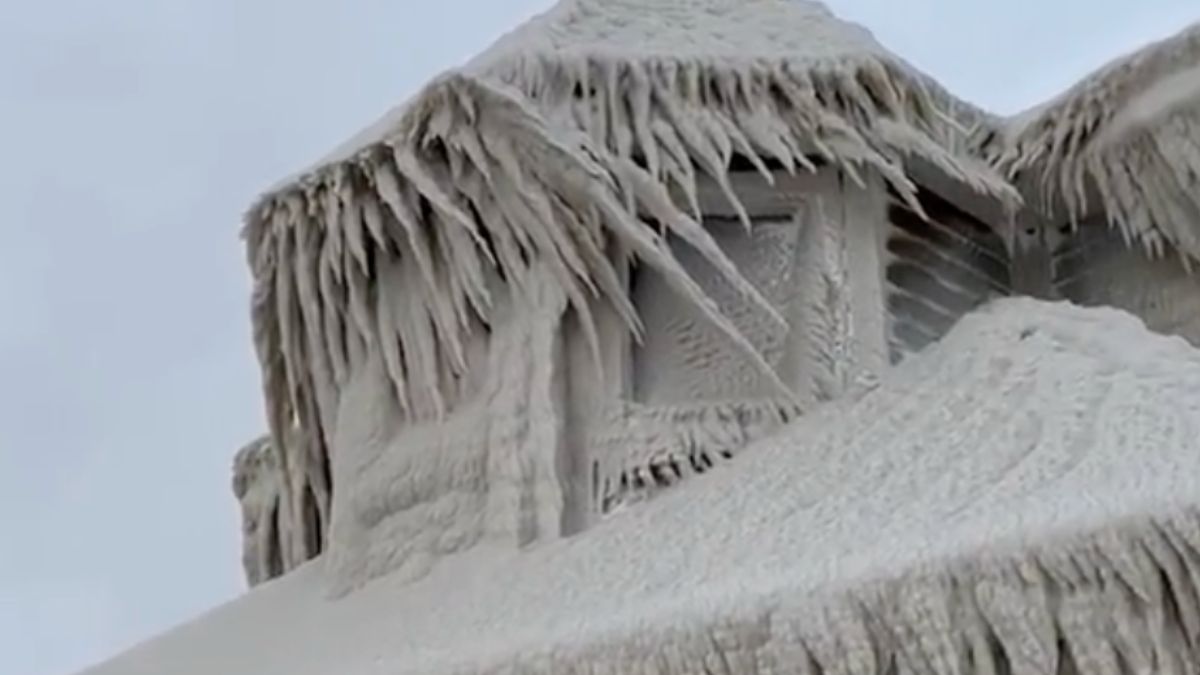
1022	497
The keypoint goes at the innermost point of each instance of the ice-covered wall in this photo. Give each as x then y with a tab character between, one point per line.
861	279
572	149
693	399
1110	171
940	265
413	490
1094	265
813	252
275	538
543	439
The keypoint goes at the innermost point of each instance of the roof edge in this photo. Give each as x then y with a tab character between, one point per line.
869	85
1122	140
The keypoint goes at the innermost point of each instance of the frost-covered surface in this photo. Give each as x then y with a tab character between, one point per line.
1124	142
436	302
273	542
656	447
687	40
257	484
555	149
1022	497
938	268
1120	151
412	492
1095	266
693	400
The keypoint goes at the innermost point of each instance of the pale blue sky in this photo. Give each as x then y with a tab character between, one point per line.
133	133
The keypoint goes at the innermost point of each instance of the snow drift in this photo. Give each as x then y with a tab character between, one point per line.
1023	497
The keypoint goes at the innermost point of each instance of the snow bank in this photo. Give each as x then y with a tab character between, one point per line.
1023	497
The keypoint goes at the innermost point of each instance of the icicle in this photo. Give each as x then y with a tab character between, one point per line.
307	253
606	280
352	224
652	251
654	198
640	95
925	626
464	267
558	256
372	215
331	220
285	309
387	183
1122	134
357	292
388	287
681	170
428	188
1021	621
413	323
742	144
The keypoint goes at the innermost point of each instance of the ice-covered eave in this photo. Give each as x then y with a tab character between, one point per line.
1124	143
1095	601
877	88
1072	116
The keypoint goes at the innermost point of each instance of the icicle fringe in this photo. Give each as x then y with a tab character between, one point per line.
268	532
1116	601
648	448
1125	141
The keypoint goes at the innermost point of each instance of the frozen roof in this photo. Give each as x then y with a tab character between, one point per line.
1126	139
1023	497
672	39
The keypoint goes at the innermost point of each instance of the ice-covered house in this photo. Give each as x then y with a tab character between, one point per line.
633	238
1111	171
627	239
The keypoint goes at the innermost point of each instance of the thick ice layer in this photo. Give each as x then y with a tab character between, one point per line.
1023	497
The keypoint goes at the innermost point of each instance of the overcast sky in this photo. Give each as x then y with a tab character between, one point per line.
133	133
